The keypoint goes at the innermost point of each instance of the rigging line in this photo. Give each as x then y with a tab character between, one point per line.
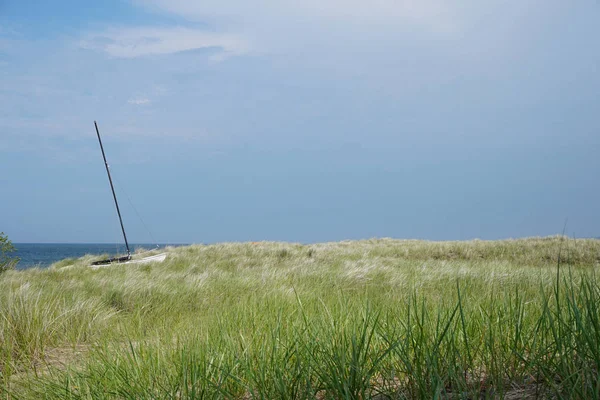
136	211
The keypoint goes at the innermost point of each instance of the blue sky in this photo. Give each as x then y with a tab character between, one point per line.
299	121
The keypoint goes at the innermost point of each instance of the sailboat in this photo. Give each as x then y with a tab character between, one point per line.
128	259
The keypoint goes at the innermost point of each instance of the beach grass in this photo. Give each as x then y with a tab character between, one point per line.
379	319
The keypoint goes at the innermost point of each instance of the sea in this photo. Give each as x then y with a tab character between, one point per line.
42	255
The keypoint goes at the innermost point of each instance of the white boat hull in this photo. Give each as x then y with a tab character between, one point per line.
151	259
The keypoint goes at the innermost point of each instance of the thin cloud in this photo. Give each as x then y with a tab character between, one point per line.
139	101
316	27
146	41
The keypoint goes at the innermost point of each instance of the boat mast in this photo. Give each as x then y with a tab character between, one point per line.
113	190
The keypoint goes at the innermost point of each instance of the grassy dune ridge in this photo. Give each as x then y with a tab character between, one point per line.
381	318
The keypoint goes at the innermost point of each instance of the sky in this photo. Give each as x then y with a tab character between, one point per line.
312	121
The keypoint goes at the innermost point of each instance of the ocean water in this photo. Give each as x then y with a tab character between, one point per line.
44	254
